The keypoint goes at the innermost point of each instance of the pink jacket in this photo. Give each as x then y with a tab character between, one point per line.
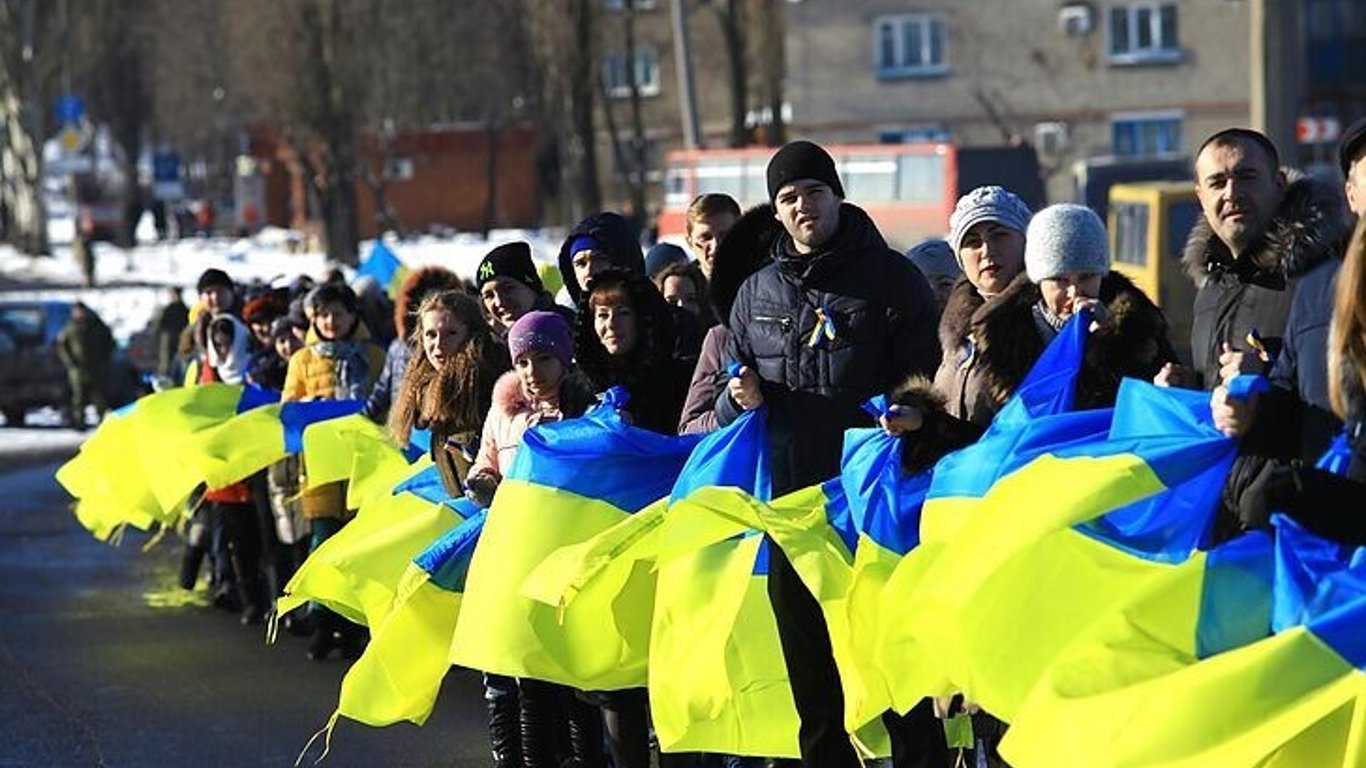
511	415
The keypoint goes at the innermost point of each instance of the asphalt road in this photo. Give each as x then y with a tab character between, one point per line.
104	661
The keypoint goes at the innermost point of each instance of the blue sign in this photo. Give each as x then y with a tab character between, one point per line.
166	166
70	109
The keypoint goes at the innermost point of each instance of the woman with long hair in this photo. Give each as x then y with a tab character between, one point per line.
448	386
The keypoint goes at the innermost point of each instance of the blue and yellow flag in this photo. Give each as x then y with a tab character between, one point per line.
569	482
357	571
399	674
254	439
1189	672
385	267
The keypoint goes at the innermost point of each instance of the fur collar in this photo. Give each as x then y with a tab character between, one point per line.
509	399
742	252
1307	229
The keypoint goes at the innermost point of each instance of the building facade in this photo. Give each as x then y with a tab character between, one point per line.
1077	80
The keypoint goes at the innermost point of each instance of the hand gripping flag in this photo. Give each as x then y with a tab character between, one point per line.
569	482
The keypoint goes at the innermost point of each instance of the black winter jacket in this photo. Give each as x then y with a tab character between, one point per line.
1255	288
882	317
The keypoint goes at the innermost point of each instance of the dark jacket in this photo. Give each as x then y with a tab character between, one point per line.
1255	289
381	396
86	347
739	254
1329	505
977	377
268	370
881	313
614	234
170	322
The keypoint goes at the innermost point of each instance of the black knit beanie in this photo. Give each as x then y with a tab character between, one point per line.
802	160
509	260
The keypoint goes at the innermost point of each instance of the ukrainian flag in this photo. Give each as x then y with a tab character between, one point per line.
140	465
357	571
360	452
383	265
399	674
254	439
1055	544
569	482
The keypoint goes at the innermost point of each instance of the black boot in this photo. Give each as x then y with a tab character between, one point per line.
505	732
324	634
189	566
585	733
353	640
543	722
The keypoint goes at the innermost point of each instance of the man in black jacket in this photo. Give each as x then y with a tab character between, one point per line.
834	318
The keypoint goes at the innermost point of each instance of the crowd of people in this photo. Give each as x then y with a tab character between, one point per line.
801	307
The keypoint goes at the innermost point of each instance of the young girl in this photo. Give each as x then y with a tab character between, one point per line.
340	362
448	386
528	718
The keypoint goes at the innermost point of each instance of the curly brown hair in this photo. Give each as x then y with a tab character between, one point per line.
447	400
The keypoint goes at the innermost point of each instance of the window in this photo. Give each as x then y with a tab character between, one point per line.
1144	33
619	84
1146	135
636	5
1131	233
909	46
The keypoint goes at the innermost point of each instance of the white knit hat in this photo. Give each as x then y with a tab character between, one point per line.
1066	239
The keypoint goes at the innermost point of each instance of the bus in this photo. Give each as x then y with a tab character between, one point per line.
908	189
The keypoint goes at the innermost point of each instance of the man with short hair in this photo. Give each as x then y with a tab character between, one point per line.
1261	232
834	318
709	218
1297	421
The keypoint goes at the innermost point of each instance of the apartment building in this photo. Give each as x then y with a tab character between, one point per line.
1104	79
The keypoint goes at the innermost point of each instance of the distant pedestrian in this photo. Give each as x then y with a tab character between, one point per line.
170	322
85	347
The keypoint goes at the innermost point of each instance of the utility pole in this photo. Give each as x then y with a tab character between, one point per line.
687	93
1277	69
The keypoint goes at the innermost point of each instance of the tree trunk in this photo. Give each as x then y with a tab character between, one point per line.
636	168
21	197
581	106
733	25
491	134
776	63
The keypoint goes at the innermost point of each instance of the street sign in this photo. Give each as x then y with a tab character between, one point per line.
69	109
1317	130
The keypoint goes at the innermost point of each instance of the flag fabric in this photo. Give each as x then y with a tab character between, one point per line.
356	572
357	450
570	481
140	466
1055	544
385	267
254	439
400	672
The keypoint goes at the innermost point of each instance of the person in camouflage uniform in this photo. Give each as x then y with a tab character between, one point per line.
85	347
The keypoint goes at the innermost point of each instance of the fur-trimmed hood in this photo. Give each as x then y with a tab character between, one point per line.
742	252
614	235
1130	340
1307	229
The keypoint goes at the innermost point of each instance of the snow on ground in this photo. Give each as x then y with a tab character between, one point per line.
44	434
131	282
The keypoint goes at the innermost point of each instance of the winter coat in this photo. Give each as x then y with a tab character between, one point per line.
86	347
313	372
514	412
613	233
169	323
1326	504
268	370
879	314
699	407
454	449
990	346
1255	289
313	375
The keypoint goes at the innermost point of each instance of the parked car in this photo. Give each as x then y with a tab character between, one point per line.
31	373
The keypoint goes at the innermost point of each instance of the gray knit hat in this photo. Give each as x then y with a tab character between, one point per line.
986	204
1066	239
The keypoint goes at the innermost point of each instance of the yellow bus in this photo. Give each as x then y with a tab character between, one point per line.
1149	223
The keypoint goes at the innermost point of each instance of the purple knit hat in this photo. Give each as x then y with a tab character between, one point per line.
541	332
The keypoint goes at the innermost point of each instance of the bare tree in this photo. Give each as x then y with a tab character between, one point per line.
733	16
29	61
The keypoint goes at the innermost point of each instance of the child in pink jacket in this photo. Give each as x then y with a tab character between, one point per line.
543	386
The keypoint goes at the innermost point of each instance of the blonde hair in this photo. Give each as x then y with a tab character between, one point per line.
447	403
1347	336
